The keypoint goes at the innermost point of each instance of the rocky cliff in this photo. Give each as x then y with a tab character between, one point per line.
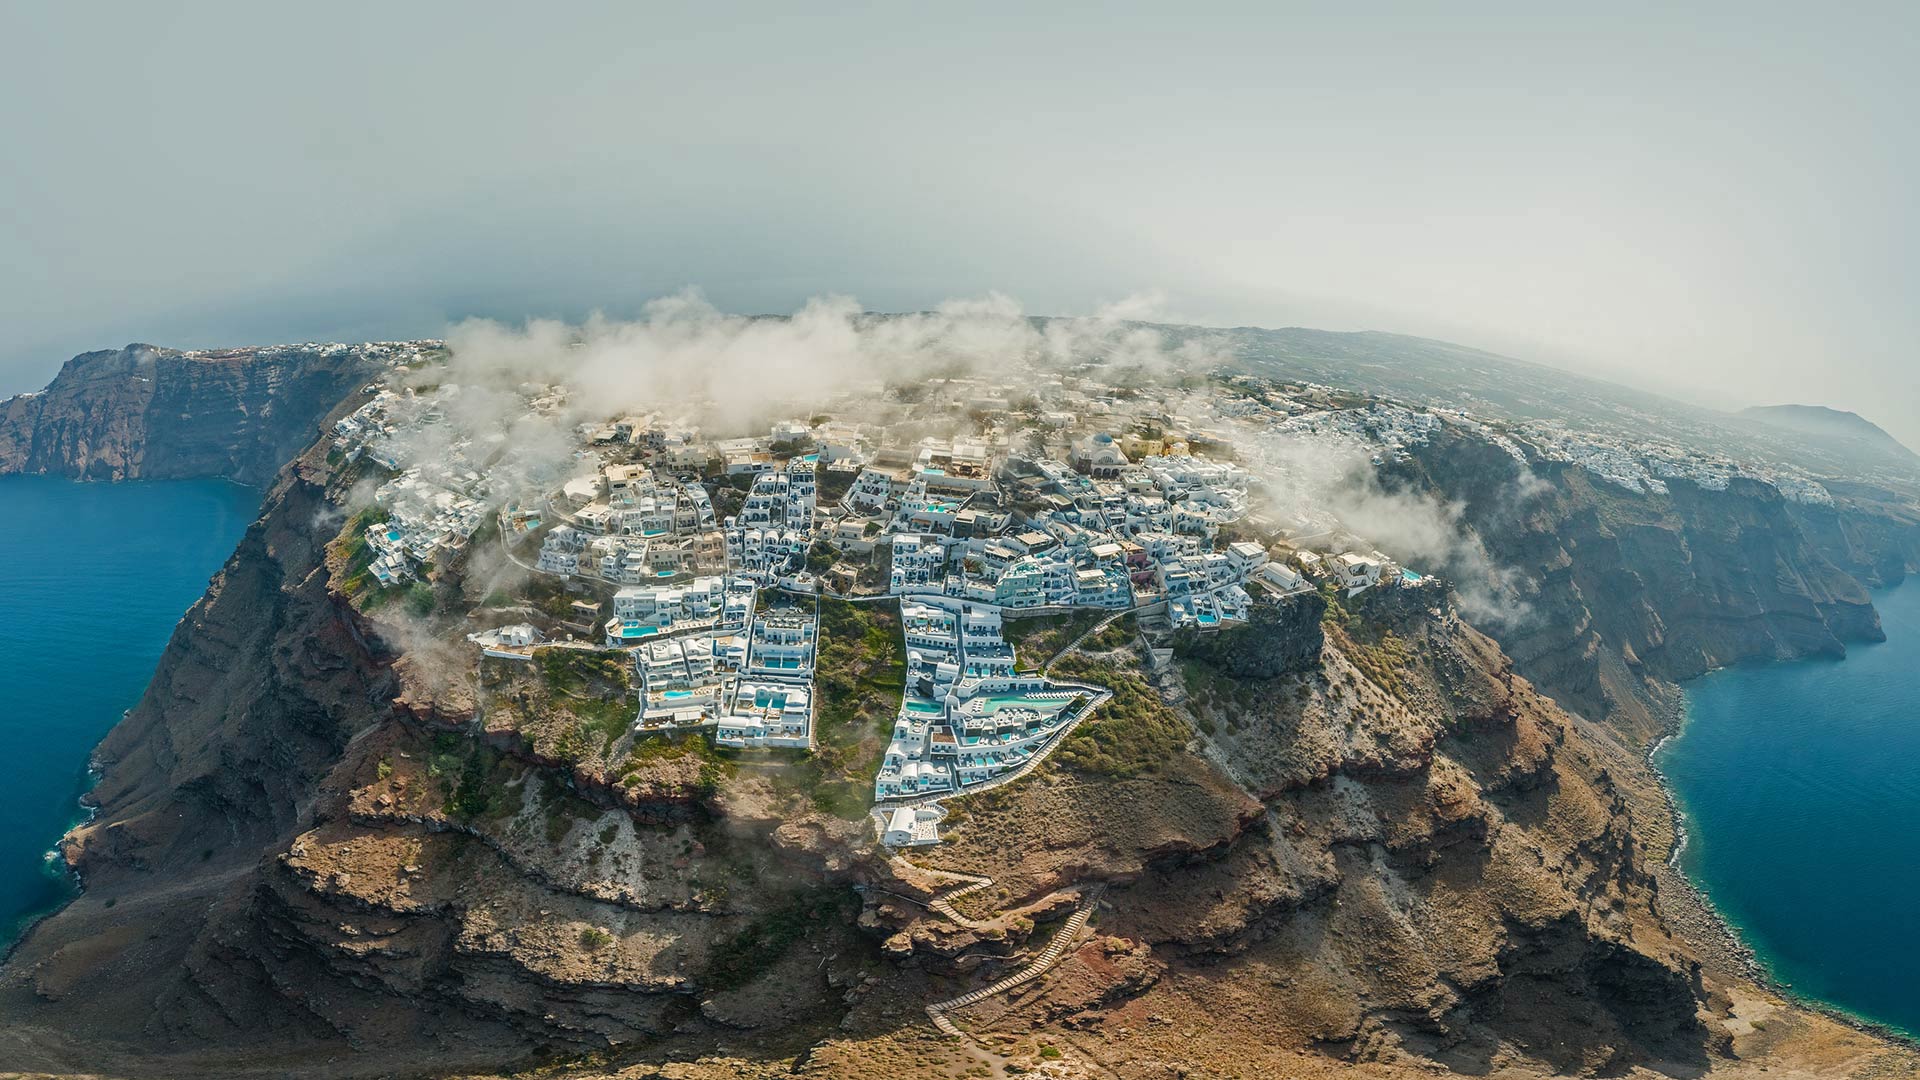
327	847
330	845
147	412
1613	588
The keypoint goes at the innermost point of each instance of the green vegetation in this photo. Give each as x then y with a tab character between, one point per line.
593	939
833	484
1380	655
351	545
668	746
472	777
821	557
550	595
420	599
1336	613
1036	639
1375	649
859	677
735	961
594	687
1210	685
1131	734
1117	634
573	670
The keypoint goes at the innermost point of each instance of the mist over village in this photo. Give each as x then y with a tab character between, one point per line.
1045	543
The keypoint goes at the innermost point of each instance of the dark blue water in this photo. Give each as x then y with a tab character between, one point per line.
1800	787
93	578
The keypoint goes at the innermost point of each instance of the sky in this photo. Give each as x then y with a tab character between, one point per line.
1716	204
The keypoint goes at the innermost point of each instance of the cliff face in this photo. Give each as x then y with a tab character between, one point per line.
314	855
1617	587
147	412
330	846
1399	854
327	847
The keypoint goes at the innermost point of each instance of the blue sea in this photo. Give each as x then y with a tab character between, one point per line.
1799	785
93	578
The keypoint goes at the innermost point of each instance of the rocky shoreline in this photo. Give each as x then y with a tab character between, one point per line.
1692	914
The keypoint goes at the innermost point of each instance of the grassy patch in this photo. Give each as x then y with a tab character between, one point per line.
1117	634
1132	733
757	947
667	747
595	689
351	545
472	777
859	677
1380	654
1036	639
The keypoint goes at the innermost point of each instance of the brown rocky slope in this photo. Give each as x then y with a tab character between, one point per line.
330	846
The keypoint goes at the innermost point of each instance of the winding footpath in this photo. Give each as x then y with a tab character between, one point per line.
972	883
1041	964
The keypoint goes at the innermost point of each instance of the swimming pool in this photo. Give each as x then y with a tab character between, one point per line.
676	695
1409	577
993	703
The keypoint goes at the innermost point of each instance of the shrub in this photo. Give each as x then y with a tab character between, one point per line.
1131	734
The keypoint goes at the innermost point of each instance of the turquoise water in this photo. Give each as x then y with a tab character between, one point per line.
1800	788
94	578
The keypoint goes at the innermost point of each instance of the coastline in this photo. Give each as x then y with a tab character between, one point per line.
57	868
1694	916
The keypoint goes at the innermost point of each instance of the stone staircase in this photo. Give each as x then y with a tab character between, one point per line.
1041	964
943	904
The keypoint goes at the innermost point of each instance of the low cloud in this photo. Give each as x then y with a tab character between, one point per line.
1328	483
735	374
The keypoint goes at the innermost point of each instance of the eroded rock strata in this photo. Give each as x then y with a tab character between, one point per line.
154	413
1342	838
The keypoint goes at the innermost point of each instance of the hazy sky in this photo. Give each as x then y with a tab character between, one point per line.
1718	204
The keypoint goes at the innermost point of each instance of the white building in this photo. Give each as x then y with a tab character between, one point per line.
1356	571
919	564
643	611
768	714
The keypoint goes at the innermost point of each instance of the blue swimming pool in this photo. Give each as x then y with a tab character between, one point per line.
993	703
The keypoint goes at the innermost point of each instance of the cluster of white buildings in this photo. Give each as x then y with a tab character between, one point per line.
431	512
1100	531
627	525
1645	467
967	716
720	662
